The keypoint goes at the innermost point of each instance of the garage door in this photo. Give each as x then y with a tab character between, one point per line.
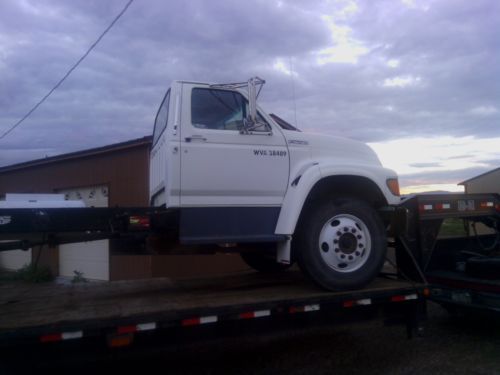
89	258
14	259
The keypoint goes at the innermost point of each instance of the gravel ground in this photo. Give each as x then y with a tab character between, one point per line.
449	346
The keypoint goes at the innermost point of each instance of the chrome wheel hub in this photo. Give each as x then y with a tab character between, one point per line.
344	243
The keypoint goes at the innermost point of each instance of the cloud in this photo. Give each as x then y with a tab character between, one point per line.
444	159
286	69
393	63
484	110
426	165
345	49
402	81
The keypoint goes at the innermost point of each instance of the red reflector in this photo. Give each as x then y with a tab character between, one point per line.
247	315
139	221
201	320
191	322
398	298
51	338
127	329
425	207
443	206
304	309
487	205
348	303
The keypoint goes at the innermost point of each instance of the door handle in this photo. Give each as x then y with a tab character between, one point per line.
196	138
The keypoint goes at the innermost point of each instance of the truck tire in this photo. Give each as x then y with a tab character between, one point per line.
263	261
341	244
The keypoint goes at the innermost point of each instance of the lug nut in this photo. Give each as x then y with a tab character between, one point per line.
346	229
325	247
350	257
337	250
357	253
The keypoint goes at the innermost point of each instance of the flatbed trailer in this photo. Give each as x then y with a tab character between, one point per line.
45	314
48	314
463	271
54	226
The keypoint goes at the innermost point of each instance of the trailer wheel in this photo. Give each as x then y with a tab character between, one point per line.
342	244
263	261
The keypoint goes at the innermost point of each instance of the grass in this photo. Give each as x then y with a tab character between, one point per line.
28	273
452	227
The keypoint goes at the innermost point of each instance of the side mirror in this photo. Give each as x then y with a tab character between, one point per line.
251	123
255	126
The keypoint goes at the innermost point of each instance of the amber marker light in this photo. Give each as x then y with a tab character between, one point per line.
393	185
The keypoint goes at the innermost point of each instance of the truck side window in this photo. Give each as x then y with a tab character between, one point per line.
221	110
161	118
217	109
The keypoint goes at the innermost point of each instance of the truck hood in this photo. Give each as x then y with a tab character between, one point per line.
342	149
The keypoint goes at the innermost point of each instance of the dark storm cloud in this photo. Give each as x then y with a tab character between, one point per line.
425	69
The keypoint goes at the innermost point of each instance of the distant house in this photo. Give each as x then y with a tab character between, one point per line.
488	182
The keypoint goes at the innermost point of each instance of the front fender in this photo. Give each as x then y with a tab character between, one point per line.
302	185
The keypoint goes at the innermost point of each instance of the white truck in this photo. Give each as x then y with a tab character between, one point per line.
226	176
242	178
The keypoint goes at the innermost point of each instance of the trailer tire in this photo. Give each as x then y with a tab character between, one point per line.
263	261
341	244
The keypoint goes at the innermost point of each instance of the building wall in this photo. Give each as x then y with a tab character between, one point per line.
489	183
125	171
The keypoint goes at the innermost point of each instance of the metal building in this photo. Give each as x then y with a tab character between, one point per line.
488	182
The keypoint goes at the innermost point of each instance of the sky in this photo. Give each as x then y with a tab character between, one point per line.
417	80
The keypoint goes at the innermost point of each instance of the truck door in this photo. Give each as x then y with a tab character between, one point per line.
232	184
164	174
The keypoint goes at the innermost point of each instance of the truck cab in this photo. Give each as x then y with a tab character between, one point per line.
238	175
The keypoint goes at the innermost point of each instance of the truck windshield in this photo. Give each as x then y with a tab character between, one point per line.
161	118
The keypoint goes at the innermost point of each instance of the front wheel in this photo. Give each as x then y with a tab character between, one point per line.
341	244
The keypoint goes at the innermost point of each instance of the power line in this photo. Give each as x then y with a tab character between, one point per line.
69	71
